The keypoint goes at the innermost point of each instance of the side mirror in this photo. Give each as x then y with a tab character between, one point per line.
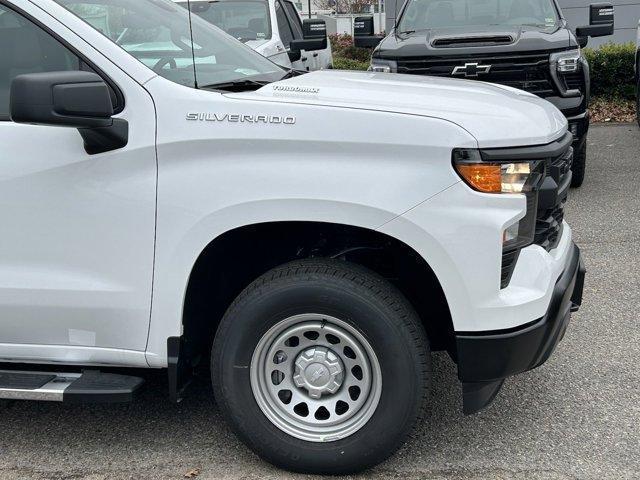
601	23
314	36
69	99
363	35
294	55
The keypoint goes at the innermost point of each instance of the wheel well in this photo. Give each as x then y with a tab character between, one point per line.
232	261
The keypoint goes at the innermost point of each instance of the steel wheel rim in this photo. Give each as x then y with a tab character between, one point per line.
316	377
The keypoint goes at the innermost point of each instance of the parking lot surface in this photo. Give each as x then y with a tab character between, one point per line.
576	417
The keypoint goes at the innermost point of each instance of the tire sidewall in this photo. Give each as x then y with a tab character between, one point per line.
638	95
402	380
579	164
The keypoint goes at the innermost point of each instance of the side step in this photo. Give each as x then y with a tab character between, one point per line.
90	386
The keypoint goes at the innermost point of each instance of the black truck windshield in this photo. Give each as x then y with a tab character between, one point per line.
242	19
427	14
189	51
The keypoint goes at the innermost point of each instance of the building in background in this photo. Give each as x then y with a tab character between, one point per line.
339	14
576	12
626	19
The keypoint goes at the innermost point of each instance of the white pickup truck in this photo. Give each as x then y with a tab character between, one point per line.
169	198
273	28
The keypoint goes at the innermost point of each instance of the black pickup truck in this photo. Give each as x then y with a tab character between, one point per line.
526	44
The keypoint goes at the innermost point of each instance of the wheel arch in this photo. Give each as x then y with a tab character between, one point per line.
216	277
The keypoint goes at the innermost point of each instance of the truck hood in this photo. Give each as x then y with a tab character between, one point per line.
424	43
494	114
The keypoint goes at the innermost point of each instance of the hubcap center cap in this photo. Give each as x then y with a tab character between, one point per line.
319	371
317	374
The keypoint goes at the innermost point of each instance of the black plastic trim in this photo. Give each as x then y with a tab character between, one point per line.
535	152
97	387
180	375
24	380
491	357
105	139
476	396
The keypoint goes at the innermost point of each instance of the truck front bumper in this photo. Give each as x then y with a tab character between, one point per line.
579	126
575	109
485	359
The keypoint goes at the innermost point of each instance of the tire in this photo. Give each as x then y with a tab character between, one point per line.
579	165
365	312
638	95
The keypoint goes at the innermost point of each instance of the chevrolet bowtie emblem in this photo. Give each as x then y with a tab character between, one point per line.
471	69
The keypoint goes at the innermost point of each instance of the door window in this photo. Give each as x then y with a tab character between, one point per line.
243	19
286	33
294	18
26	48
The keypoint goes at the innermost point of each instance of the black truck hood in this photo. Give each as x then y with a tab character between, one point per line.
488	39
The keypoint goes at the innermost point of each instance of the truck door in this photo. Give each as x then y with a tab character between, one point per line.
77	241
288	31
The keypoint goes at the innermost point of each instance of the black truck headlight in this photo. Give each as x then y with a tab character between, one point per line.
505	177
495	177
569	71
384	66
567	61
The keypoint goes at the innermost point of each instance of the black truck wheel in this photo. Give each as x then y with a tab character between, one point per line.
321	367
638	96
579	164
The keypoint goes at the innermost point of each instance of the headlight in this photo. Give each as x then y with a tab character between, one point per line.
567	61
384	66
494	177
519	177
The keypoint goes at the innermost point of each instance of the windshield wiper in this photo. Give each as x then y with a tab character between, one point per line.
292	72
240	85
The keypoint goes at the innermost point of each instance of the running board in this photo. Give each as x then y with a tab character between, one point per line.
90	386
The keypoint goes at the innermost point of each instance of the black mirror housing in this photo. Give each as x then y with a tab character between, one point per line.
601	22
314	28
363	36
294	55
314	36
308	45
69	99
72	99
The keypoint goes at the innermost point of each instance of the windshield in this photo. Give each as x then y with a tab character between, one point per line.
426	14
242	19
158	33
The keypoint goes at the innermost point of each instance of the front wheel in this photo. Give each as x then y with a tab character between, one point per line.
638	97
321	367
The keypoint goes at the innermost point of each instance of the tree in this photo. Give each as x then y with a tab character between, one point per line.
345	6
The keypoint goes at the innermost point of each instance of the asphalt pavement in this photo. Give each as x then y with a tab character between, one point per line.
576	417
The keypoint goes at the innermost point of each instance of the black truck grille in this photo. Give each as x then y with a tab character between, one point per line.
574	81
528	72
551	200
549	227
548	204
508	265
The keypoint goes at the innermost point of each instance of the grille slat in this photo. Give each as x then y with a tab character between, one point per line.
508	264
549	221
528	72
574	81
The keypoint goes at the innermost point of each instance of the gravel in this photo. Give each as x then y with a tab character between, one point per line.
578	416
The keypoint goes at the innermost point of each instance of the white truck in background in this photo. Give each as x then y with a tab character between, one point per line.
273	28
